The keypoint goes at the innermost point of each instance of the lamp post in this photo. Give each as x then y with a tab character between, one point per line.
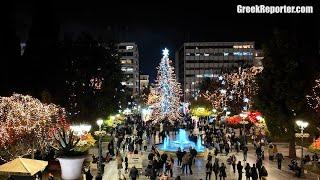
99	123
244	115
302	125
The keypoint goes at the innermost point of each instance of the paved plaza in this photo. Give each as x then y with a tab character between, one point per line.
111	172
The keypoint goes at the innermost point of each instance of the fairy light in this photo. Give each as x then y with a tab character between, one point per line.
235	89
165	97
314	98
23	120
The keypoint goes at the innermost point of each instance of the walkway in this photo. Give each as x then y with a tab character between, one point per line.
199	167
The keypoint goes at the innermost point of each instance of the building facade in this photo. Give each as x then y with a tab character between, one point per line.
129	59
258	57
144	82
198	60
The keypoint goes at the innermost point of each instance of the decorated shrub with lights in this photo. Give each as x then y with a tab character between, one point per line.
234	120
315	146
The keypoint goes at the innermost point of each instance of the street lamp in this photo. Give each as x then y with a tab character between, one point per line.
100	134
302	125
244	115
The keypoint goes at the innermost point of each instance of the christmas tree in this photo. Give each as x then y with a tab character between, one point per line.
165	97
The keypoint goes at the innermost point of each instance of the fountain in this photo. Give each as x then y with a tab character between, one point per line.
182	141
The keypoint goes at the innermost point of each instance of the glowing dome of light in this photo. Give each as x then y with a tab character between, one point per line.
182	141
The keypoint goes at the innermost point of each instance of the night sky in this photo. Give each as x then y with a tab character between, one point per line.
158	24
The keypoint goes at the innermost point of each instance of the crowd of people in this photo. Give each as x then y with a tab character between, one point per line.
222	142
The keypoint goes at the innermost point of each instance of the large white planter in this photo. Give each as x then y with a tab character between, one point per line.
71	167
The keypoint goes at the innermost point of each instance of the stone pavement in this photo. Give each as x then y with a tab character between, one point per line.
198	168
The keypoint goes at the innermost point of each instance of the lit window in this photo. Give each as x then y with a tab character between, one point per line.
208	75
197	54
225	53
199	75
206	54
127	69
129	47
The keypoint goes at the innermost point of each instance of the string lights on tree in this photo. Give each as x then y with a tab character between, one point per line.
165	96
314	98
25	123
235	90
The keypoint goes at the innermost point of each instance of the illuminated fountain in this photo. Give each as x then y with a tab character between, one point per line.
182	141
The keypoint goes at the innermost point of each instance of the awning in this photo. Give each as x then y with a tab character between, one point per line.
23	167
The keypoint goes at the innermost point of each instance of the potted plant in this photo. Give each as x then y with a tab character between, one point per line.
72	151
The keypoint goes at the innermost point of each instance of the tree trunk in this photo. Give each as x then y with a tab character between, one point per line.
292	147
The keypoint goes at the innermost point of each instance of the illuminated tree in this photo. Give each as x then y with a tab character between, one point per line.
233	90
25	123
314	98
165	97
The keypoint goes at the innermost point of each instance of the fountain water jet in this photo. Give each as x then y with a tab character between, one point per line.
182	141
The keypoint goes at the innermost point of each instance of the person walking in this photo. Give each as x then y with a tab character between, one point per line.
222	172
119	163
239	169
215	168
254	173
248	171
134	173
245	153
279	157
190	162
263	173
259	165
208	170
233	162
179	156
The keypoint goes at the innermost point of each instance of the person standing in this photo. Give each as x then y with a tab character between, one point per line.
185	160
145	144
233	162
190	162
119	163
245	153
134	173
254	173
239	169
208	170
193	153
279	157
259	165
270	152
248	171
215	168
209	158
222	171
263	173
179	156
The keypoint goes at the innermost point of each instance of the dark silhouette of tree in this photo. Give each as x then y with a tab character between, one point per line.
283	85
93	78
